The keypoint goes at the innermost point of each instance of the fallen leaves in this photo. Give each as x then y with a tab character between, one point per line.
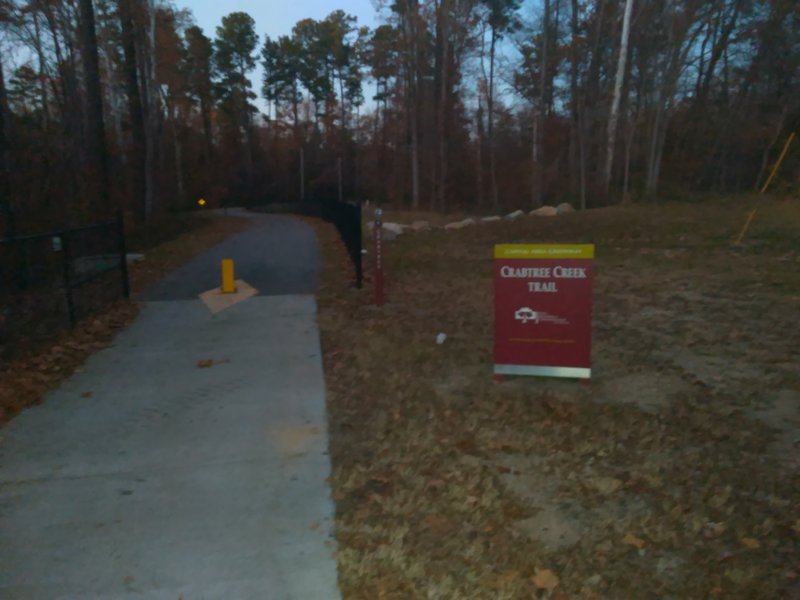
633	540
438	524
750	543
654	496
545	579
207	363
605	485
713	530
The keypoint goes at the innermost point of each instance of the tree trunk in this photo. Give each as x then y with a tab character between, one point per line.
582	154
413	74
443	109
341	101
629	137
295	119
5	184
208	135
614	113
128	26
96	133
490	122
114	109
414	157
479	147
66	97
536	197
539	118
247	140
656	144
576	139
151	125
175	118
42	70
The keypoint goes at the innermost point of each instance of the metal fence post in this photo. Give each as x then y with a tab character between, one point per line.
66	259
123	256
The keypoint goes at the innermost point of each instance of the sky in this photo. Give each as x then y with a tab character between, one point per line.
275	18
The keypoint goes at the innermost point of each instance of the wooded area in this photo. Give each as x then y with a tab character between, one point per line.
449	104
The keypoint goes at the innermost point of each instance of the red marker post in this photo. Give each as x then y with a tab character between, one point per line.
543	310
378	233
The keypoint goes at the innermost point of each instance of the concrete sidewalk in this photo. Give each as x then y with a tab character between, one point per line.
147	476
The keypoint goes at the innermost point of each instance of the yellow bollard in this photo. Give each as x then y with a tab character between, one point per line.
228	283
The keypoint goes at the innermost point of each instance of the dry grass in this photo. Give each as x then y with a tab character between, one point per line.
674	474
41	364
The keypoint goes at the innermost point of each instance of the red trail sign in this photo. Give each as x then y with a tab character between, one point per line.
543	310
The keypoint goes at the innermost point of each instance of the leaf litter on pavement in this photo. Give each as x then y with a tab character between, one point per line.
658	479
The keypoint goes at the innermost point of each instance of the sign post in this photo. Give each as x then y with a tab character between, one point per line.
543	310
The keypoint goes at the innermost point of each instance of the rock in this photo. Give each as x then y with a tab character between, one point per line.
456	225
545	211
420	226
564	207
460	224
395	228
515	215
491	219
388	235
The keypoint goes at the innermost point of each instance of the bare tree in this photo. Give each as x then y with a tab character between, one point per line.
613	116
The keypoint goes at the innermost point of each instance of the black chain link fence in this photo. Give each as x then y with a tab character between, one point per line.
52	280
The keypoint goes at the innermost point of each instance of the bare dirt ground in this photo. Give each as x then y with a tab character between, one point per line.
674	474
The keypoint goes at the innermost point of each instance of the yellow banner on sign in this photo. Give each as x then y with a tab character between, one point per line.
544	251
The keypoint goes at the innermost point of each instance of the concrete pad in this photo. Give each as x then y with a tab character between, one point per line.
216	300
148	477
